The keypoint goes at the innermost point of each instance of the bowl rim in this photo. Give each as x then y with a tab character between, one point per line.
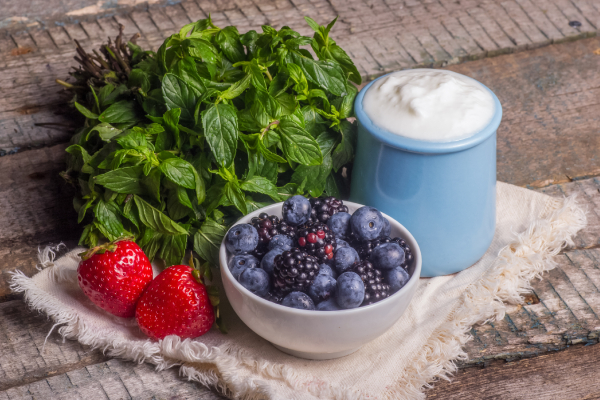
413	280
422	146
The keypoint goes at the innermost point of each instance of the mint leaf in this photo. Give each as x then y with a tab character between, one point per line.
339	55
87	113
152	183
221	130
77	150
153	218
234	194
344	152
108	220
172	249
178	94
298	145
150	242
323	73
140	79
314	177
178	203
237	88
123	180
123	111
228	39
132	140
105	131
202	49
331	187
179	171
258	184
208	240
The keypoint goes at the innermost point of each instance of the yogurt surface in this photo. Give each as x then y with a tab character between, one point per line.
429	105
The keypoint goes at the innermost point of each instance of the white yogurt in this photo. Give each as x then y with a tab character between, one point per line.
430	105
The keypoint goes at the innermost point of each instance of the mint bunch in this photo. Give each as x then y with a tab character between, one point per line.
178	144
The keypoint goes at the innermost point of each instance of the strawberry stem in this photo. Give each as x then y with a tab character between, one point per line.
101	249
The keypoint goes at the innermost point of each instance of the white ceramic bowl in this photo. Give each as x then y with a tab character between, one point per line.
319	335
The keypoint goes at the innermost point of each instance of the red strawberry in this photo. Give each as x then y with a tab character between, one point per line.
115	279
175	304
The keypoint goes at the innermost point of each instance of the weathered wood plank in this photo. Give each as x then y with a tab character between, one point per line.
112	380
32	366
549	95
550	99
36	208
569	374
25	355
563	310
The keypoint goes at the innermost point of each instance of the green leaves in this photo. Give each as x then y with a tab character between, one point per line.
228	39
179	171
124	180
208	240
121	112
212	126
178	94
108	221
298	144
159	222
221	130
323	73
258	184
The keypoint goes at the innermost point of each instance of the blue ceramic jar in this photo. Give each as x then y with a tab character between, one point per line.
444	193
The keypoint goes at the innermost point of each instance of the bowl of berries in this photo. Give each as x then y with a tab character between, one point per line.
319	278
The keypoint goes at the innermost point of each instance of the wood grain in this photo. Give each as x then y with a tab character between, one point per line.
35	208
566	375
551	111
25	354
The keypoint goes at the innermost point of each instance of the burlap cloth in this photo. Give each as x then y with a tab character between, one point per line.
420	348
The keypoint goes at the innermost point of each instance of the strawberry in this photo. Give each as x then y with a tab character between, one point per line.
175	303
114	276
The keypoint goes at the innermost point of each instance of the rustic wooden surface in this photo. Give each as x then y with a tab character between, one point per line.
566	375
549	95
32	367
548	137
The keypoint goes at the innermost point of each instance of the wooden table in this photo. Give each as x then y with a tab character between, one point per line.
548	140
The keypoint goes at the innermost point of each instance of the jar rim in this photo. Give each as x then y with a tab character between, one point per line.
422	146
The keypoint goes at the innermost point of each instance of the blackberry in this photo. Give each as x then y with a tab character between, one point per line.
294	271
376	289
365	248
325	207
317	240
267	227
274	296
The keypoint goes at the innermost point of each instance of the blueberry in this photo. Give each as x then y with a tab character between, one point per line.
350	290
268	261
326	270
387	256
298	300
397	278
341	243
241	238
255	280
340	224
328	305
367	223
296	210
322	288
283	241
387	228
344	258
241	262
